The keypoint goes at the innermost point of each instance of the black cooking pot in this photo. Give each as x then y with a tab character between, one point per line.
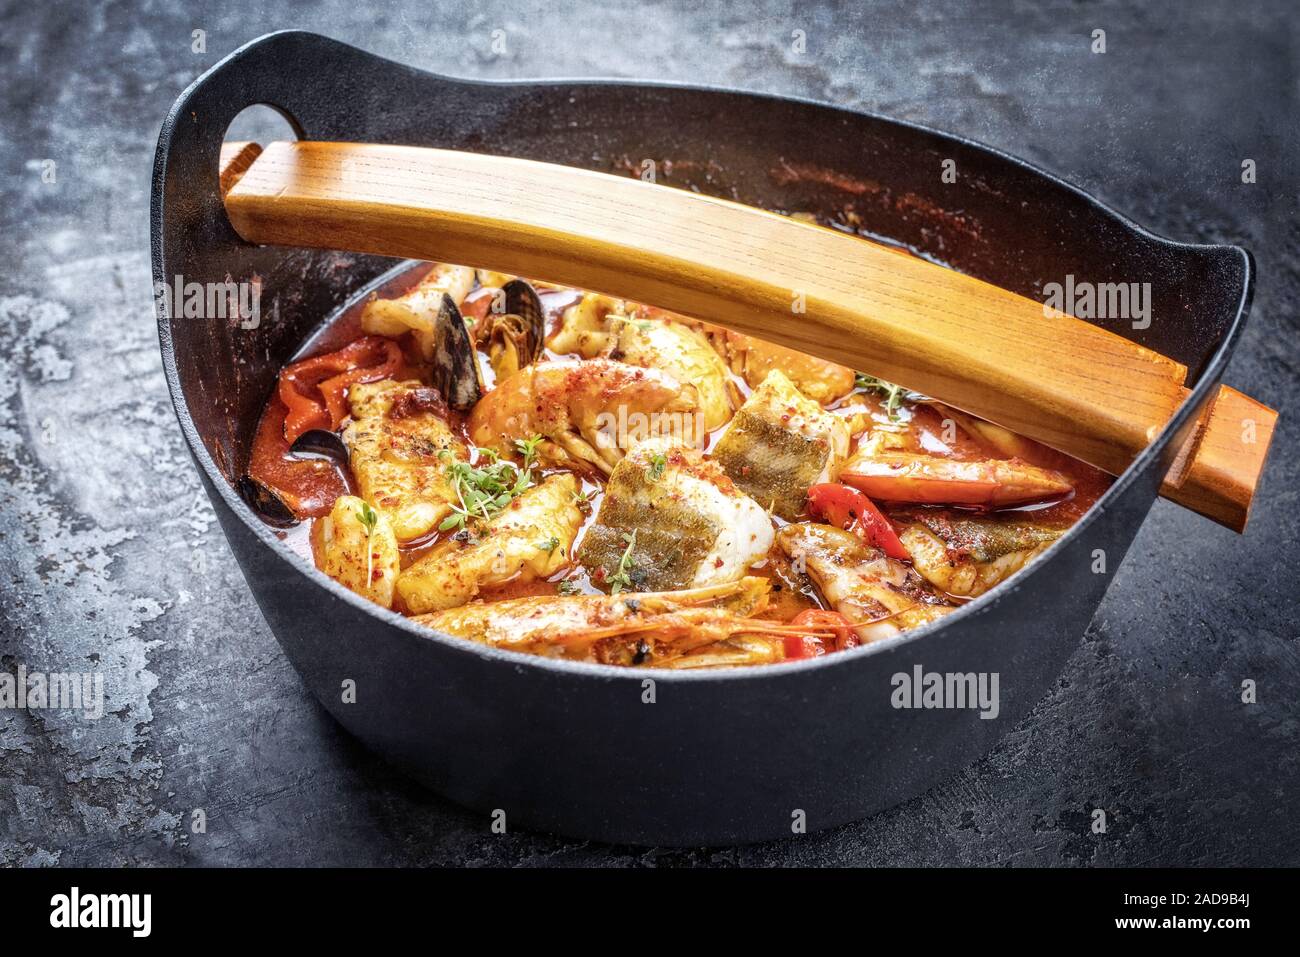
625	755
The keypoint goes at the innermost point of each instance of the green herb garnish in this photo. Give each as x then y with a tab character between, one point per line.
567	587
893	394
642	325
623	578
548	546
528	449
369	518
484	490
657	465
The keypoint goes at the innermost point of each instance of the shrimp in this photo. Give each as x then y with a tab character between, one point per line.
599	326
966	556
588	411
696	628
878	595
895	474
530	537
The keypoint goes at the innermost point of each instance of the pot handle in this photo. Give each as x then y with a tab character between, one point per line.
334	92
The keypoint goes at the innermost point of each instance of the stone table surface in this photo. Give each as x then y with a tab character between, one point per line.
110	558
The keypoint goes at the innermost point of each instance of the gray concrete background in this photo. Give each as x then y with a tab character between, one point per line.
110	558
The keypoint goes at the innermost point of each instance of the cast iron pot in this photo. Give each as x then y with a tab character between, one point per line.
625	755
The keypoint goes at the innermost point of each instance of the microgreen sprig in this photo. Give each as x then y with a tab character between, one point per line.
484	489
369	518
528	449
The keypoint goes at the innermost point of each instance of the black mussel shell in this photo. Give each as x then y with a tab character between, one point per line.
320	444
521	300
455	364
269	507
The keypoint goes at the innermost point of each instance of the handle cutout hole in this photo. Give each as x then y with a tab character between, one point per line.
258	124
261	123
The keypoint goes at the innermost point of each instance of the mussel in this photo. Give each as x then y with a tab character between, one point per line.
514	329
455	371
266	502
320	444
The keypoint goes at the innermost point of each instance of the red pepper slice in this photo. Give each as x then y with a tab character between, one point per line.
849	509
367	359
798	647
476	305
823	620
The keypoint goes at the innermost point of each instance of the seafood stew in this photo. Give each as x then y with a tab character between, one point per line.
557	472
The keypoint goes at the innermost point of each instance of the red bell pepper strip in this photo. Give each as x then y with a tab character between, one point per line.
849	509
367	359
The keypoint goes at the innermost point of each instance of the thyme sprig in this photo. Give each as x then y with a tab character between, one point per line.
893	394
623	577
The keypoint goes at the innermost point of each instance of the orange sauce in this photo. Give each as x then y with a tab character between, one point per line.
308	486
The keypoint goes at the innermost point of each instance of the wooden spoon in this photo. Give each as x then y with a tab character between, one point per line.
1061	381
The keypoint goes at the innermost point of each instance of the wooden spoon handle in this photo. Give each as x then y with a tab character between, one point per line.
1066	383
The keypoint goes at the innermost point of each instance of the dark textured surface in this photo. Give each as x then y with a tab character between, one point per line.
110	558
